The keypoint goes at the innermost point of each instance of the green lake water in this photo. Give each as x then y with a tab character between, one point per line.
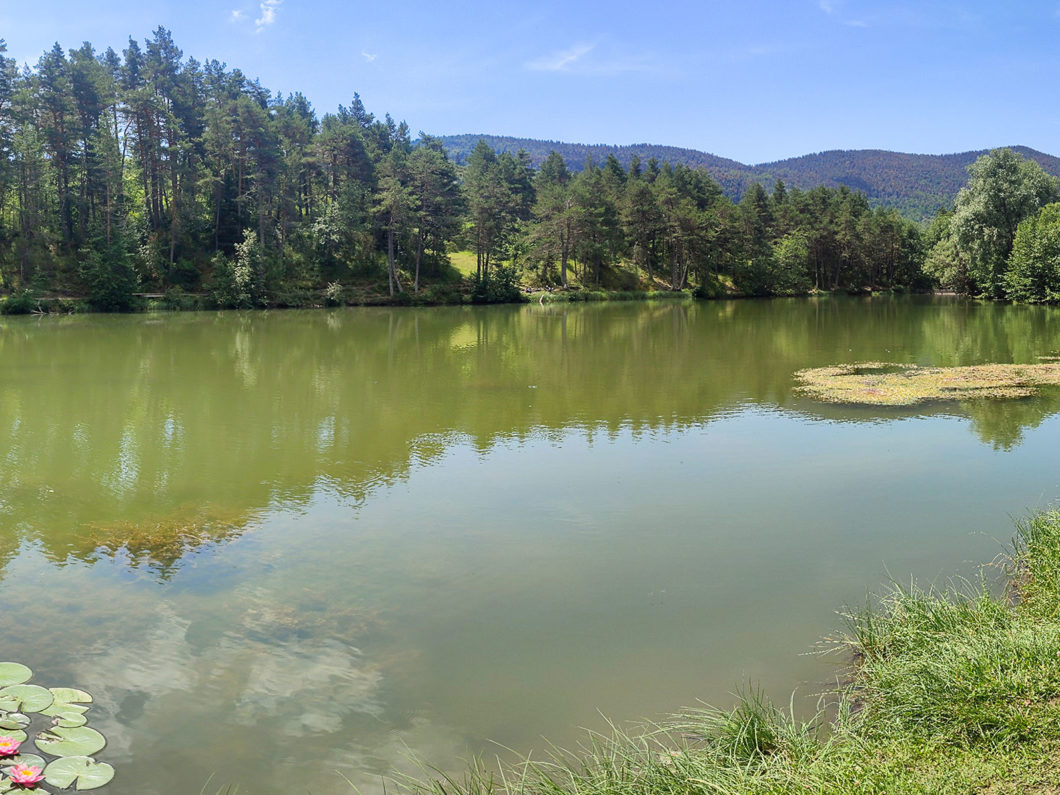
288	549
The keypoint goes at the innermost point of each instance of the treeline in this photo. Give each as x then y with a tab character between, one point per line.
145	172
675	222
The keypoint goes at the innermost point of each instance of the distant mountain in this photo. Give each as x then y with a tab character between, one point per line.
917	185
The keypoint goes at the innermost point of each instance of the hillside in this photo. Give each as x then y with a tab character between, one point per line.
917	185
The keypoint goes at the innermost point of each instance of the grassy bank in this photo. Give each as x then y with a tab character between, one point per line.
954	692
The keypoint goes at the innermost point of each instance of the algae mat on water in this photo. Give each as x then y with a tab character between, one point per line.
889	384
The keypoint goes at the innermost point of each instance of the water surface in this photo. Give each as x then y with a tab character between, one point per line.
278	542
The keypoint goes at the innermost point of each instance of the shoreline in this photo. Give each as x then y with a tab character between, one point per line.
954	691
177	301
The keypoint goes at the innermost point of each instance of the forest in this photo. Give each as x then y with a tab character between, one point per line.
146	174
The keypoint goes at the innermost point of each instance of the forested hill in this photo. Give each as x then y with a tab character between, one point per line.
732	176
915	184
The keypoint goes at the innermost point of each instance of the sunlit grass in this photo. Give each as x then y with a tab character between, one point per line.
463	261
885	384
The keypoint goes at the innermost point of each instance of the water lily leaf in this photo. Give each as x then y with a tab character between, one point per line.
23	759
12	673
58	709
74	741
70	720
18	736
12	720
70	695
86	772
30	698
8	704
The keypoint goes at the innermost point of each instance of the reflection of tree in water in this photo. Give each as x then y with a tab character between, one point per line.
147	437
1001	423
159	544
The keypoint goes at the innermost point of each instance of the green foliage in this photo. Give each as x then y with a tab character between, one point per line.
790	265
333	295
110	279
710	286
501	286
22	302
753	276
947	266
1034	267
212	182
441	294
239	283
177	300
1003	189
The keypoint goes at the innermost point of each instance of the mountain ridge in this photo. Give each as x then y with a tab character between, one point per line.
917	185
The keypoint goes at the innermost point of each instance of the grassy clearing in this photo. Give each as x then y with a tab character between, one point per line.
884	384
464	262
950	692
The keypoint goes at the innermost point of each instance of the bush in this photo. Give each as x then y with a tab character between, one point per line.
710	287
238	284
110	280
333	294
441	294
21	303
499	287
177	300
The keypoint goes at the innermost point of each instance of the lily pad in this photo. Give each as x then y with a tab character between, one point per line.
69	720
74	741
18	736
12	720
84	771
58	708
23	759
30	698
70	695
12	673
66	715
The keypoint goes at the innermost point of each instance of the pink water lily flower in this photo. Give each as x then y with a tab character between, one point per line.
26	775
9	746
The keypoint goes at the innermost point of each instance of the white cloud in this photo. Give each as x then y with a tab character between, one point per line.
828	6
560	61
856	23
369	56
604	61
268	14
236	16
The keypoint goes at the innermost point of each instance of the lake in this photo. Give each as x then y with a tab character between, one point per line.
285	550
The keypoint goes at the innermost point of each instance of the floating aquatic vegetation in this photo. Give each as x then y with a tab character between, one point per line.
888	384
56	716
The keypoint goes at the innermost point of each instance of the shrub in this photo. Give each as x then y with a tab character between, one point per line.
499	287
21	303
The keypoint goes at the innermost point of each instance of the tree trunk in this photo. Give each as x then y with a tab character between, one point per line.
419	258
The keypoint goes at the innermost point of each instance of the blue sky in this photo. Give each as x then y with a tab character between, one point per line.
755	81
